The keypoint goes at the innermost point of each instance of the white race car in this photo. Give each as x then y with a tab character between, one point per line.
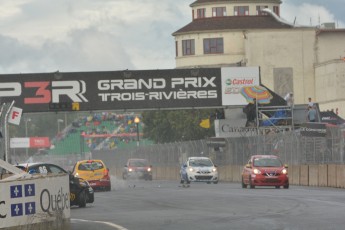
199	169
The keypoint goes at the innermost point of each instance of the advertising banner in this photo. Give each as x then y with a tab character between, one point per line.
30	142
39	142
312	129
234	79
233	128
19	142
113	90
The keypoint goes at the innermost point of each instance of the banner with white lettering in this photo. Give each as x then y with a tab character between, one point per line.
313	129
113	90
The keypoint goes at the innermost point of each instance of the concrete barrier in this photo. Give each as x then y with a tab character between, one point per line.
323	179
332	175
172	173
340	176
294	174
237	173
313	178
222	173
40	202
306	175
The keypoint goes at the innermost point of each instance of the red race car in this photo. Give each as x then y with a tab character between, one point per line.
137	168
265	170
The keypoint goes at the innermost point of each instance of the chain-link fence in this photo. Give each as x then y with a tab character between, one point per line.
293	149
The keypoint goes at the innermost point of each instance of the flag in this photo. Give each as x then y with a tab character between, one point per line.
205	123
15	115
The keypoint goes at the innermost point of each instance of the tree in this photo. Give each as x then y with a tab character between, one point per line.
177	125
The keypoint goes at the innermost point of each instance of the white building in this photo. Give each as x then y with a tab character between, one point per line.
308	61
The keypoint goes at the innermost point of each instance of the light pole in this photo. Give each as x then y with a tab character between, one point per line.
58	123
26	135
137	121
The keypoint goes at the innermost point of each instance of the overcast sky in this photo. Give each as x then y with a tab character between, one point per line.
106	35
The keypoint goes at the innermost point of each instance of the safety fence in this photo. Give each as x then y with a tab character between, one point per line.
292	147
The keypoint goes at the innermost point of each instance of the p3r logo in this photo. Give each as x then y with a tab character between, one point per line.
45	91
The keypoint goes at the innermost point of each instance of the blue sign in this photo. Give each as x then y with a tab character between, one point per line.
16	191
30	208
16	209
29	190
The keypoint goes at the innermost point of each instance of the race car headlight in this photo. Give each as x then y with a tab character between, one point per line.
214	170
149	169
191	169
76	175
130	170
284	171
256	171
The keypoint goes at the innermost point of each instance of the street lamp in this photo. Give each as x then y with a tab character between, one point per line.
26	135
58	123
136	121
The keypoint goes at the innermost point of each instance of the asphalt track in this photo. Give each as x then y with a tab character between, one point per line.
141	205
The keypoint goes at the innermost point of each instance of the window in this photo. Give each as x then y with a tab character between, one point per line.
201	13
55	169
176	48
276	10
241	10
139	163
213	45
218	11
259	10
188	47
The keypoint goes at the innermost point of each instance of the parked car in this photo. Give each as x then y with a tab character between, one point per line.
199	169
137	168
95	172
265	170
81	192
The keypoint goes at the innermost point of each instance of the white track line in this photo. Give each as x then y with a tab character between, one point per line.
102	222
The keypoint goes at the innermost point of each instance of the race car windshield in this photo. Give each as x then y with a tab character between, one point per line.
267	162
139	163
201	163
90	166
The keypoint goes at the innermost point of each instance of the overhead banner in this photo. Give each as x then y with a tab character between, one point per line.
115	90
128	89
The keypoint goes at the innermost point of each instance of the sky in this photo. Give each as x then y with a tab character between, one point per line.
109	35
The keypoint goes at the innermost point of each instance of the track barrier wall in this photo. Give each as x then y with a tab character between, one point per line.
304	175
